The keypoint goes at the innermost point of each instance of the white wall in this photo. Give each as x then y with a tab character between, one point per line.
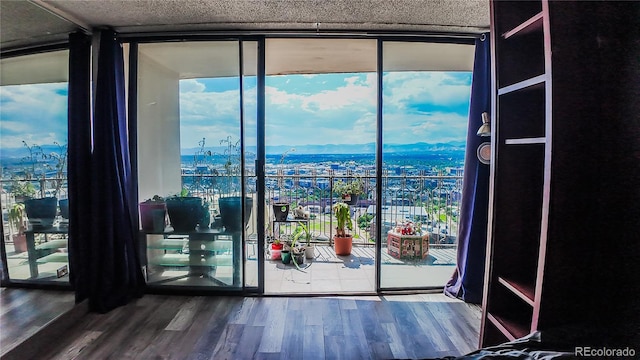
158	129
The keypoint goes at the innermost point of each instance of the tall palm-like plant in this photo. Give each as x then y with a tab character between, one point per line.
343	241
343	216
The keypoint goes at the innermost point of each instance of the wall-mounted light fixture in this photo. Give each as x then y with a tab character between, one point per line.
485	128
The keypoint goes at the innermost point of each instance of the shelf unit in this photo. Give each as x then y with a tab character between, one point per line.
52	250
520	179
563	192
198	254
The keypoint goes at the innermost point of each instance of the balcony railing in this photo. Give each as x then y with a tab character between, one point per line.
431	200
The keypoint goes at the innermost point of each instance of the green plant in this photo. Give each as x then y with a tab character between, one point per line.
364	221
23	189
17	218
154	199
353	187
232	162
343	216
31	161
280	178
302	230
201	159
59	166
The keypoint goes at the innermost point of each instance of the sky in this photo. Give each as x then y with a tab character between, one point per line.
330	108
36	114
300	109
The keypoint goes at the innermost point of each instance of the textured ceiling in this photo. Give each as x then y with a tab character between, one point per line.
24	23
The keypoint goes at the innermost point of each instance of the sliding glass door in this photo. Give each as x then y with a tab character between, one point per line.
426	90
264	167
196	163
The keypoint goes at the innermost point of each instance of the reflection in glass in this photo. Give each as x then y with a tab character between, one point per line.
33	148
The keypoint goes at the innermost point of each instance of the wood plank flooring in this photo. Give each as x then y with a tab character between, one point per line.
24	312
179	327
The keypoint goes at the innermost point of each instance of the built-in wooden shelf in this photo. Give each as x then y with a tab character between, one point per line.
533	24
523	84
510	328
524	291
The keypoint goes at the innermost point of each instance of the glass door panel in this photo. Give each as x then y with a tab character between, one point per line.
190	153
426	90
250	118
33	148
320	135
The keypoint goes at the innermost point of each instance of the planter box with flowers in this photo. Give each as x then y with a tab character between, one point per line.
406	241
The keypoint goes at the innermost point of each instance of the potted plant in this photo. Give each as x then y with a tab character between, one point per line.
22	190
41	212
153	214
349	191
17	226
297	251
276	249
231	204
303	230
184	211
343	241
64	208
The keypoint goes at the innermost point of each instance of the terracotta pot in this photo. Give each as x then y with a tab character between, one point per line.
20	243
343	245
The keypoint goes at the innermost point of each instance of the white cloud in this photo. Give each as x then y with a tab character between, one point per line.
401	128
191	85
35	113
344	114
436	88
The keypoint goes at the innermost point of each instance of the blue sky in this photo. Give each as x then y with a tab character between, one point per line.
300	109
33	113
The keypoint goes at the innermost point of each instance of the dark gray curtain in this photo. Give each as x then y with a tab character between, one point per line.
103	231
468	278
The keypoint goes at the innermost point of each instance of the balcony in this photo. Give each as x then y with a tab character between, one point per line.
432	200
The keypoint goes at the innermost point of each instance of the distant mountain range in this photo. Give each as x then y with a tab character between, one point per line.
18	153
13	155
368	148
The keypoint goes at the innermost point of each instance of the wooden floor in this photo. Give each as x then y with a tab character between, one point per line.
181	327
24	312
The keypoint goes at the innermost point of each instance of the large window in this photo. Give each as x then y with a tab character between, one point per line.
33	155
